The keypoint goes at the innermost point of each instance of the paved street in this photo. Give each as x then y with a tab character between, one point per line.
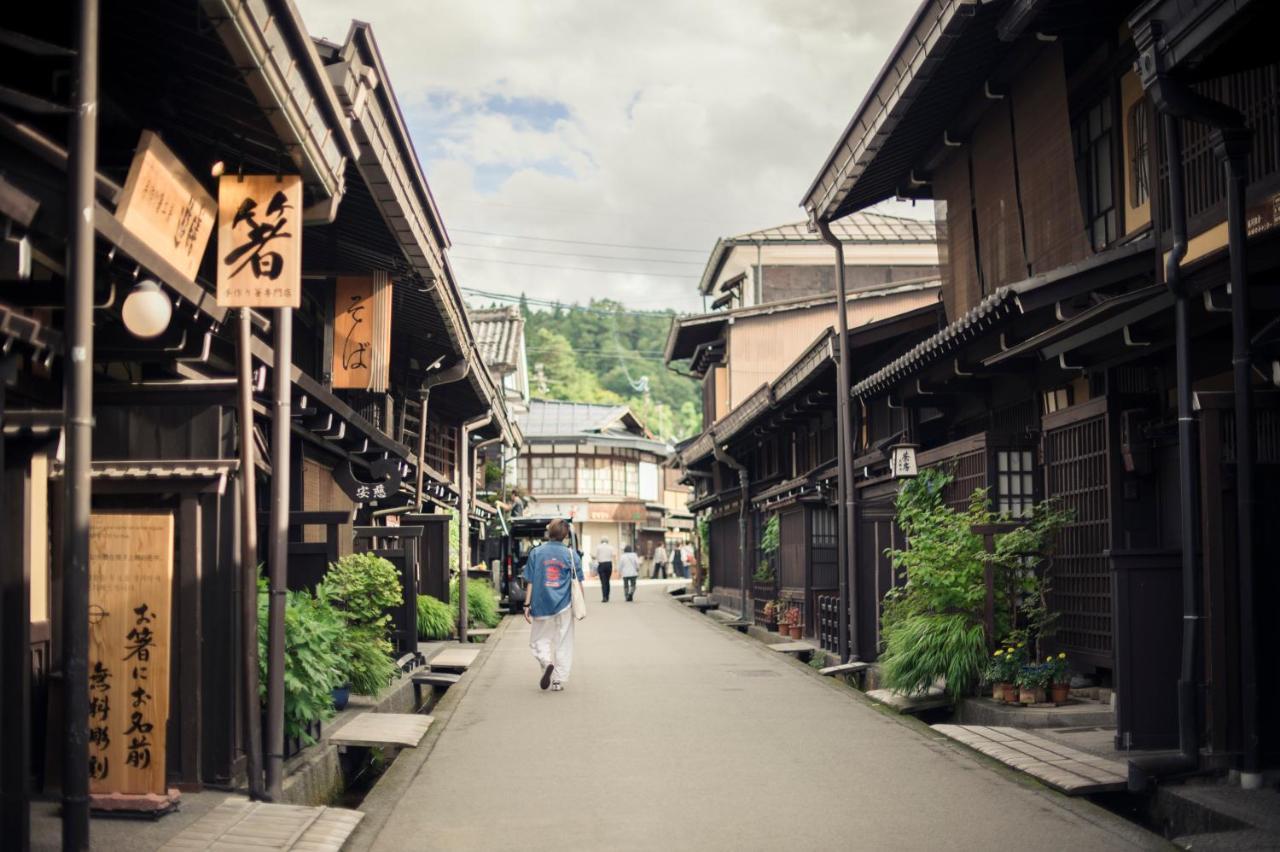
677	734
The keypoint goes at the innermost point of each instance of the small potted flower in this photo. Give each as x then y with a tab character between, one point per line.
770	613
1033	680
1002	669
1059	684
793	622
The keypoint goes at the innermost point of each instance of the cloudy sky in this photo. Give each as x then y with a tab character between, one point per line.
591	149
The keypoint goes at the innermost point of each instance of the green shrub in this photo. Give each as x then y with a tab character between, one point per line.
313	663
933	622
482	602
435	618
362	587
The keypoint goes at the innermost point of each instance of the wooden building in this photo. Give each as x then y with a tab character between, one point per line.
1105	179
245	87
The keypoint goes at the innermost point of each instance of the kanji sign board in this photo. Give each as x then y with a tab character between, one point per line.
260	241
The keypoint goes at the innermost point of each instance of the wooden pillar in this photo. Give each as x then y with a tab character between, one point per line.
189	639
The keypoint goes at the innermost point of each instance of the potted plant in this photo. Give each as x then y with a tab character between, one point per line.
1002	670
1033	679
770	612
1059	685
793	622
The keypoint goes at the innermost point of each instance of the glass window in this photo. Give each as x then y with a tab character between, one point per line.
1015	482
1092	138
1139	180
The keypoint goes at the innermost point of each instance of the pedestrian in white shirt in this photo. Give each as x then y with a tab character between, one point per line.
629	568
604	567
687	558
660	562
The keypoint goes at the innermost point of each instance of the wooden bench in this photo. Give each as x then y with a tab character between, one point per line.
454	659
843	669
480	633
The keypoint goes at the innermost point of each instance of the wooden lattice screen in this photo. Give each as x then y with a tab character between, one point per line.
1076	474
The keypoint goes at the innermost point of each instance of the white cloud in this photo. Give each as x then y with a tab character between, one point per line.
660	124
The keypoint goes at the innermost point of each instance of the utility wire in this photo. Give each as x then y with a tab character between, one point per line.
578	254
577	242
578	268
548	303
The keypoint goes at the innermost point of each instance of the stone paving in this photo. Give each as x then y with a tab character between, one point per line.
677	733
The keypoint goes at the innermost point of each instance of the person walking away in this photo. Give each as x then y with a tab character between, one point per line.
629	568
686	559
660	562
548	604
677	562
604	567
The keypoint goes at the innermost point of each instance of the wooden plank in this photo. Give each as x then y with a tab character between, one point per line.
238	823
930	700
1073	772
793	648
454	658
436	678
383	729
844	668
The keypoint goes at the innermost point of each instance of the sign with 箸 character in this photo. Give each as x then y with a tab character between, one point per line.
260	241
166	207
130	582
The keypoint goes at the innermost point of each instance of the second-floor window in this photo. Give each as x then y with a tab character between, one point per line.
1093	138
1139	149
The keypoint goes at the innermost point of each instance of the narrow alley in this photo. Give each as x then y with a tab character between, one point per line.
675	733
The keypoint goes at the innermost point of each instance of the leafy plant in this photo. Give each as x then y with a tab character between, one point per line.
770	610
704	540
1057	667
482	603
1003	666
933	622
362	586
769	542
313	663
1035	676
435	618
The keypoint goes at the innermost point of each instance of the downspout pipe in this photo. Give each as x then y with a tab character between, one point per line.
464	514
78	407
456	373
845	491
721	455
1175	101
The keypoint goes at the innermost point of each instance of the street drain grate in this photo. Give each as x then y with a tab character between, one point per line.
753	673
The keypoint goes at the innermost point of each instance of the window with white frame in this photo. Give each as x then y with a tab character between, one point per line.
1015	483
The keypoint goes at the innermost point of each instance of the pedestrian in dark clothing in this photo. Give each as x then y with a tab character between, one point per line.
604	567
677	562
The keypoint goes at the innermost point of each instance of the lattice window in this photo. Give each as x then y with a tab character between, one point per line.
1139	149
1076	474
1015	482
553	474
824	546
1093	137
969	473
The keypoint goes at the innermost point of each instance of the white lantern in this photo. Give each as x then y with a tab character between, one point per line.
147	310
902	460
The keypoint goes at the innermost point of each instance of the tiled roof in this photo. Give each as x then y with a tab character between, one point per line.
556	418
861	227
498	332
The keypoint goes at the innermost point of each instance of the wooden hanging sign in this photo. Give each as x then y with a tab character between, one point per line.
259	241
362	332
166	207
130	619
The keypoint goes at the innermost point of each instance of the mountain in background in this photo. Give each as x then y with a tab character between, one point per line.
601	352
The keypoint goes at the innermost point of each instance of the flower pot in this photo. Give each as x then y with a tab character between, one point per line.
1001	691
341	695
1059	693
795	631
1033	695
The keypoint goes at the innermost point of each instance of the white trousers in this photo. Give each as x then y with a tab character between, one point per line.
551	640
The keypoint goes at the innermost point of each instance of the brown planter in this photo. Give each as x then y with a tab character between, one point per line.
795	631
1004	692
1031	696
1059	693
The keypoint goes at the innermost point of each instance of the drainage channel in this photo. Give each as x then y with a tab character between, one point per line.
362	768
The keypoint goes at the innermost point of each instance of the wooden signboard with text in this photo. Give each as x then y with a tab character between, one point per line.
166	207
130	581
362	332
259	241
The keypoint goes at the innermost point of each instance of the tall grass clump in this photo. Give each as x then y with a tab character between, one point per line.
435	618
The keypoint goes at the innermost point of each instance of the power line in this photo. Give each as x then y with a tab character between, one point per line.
548	303
578	268
578	254
577	242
